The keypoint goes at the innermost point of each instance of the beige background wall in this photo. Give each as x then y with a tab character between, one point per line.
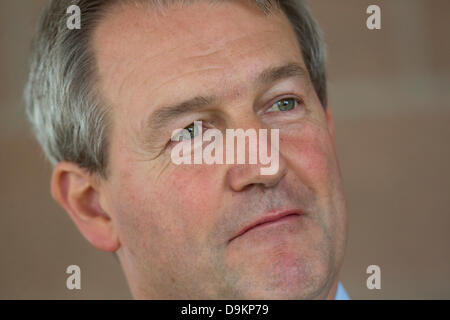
389	92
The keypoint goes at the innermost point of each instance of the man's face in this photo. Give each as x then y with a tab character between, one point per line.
178	224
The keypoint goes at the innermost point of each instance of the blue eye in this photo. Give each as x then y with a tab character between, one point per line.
188	133
286	104
193	130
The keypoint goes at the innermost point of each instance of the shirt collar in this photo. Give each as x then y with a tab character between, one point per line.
341	294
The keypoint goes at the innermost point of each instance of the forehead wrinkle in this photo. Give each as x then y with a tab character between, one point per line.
138	67
210	48
166	52
180	76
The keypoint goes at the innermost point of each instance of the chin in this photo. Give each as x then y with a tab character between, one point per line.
288	276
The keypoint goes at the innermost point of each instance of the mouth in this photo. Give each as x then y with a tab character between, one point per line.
268	219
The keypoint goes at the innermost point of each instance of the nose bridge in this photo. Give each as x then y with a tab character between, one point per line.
269	167
245	127
247	120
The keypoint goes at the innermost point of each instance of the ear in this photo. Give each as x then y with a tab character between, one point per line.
330	122
79	193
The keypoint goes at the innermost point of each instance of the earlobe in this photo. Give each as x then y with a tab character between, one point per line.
77	192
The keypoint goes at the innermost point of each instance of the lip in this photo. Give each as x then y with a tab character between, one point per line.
267	218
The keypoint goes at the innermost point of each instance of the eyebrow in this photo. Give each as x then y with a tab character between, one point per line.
164	115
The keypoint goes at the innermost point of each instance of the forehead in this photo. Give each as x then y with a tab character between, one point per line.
146	57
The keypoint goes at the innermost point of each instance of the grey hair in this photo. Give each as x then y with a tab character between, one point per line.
68	116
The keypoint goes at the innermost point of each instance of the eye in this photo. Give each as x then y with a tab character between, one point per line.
193	129
285	104
189	132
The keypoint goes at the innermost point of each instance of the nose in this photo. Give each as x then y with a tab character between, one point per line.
242	176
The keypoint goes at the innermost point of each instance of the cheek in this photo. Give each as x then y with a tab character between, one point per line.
310	154
193	193
190	186
177	206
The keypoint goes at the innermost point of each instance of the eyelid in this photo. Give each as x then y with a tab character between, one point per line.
297	99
